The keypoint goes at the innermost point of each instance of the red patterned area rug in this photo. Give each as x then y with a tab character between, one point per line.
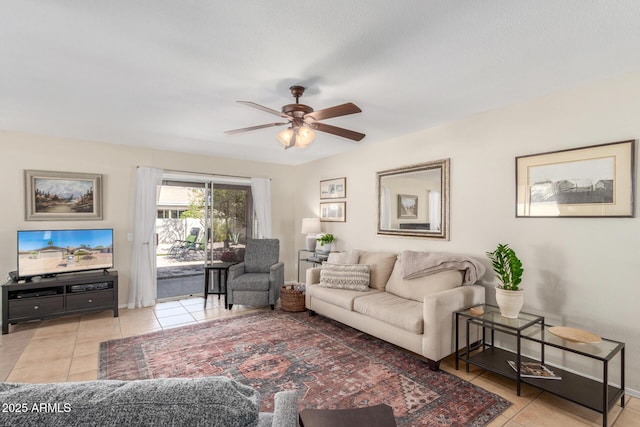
333	366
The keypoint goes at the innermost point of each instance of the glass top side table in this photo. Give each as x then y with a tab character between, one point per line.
598	394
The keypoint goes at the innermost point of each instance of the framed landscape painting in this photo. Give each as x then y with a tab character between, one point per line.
594	181
62	196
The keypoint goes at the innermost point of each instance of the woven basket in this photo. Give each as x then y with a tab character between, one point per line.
291	299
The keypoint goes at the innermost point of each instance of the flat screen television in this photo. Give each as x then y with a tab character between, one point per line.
47	253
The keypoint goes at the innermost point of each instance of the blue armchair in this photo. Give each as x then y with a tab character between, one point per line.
257	280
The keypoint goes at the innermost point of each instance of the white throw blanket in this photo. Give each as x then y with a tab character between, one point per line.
418	264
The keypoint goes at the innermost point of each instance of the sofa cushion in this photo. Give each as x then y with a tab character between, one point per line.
417	288
342	298
391	309
212	401
381	264
348	257
345	276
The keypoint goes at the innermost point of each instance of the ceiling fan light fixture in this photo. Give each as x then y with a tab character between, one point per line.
284	137
304	137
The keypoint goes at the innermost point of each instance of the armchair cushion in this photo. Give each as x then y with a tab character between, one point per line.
261	254
251	282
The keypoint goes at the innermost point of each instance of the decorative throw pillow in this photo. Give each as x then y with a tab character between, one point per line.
345	276
349	257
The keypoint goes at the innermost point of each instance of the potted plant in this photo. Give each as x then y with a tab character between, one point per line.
325	243
508	269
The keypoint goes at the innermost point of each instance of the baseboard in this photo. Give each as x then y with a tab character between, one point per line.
632	392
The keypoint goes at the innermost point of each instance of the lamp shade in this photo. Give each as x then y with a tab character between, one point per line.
311	226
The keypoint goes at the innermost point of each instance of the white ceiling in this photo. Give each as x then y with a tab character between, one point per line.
166	74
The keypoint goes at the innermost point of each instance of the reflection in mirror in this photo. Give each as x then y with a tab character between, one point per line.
414	200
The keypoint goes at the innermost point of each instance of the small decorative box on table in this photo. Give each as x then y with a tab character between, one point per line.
292	297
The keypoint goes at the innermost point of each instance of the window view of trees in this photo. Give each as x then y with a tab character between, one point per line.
225	238
229	216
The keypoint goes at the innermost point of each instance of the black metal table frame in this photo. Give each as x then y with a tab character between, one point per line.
220	267
501	327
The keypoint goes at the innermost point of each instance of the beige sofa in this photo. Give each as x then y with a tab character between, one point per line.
412	313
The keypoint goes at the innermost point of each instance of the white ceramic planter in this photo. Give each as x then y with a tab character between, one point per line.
510	302
324	249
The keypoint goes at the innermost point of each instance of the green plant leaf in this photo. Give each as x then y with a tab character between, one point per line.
507	266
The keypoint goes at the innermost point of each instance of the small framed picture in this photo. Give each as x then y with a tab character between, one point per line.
594	181
407	206
333	188
62	196
333	211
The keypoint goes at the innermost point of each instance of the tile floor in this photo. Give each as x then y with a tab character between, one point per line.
66	349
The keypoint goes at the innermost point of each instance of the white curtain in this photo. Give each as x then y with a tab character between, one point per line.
261	193
434	210
385	209
142	289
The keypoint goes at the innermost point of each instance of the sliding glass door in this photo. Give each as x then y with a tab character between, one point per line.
199	221
231	221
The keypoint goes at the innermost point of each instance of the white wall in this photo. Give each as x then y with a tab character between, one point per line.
117	164
580	272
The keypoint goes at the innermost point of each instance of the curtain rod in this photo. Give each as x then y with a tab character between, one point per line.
201	173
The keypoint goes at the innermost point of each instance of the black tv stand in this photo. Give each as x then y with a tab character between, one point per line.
59	296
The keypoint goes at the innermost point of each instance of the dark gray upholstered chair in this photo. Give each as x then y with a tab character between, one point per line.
257	280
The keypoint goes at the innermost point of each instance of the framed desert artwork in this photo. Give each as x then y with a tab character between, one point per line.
53	195
593	181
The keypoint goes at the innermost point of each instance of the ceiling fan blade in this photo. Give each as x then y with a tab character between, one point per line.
337	111
345	133
263	108
235	131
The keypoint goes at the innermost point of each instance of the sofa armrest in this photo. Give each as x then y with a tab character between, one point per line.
312	275
285	409
439	320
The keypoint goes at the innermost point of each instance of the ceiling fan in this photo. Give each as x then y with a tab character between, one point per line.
303	120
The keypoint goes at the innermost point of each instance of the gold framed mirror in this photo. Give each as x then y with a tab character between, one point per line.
414	200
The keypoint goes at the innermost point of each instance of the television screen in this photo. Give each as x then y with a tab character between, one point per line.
51	252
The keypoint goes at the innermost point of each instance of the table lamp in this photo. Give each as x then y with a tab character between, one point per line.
311	227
